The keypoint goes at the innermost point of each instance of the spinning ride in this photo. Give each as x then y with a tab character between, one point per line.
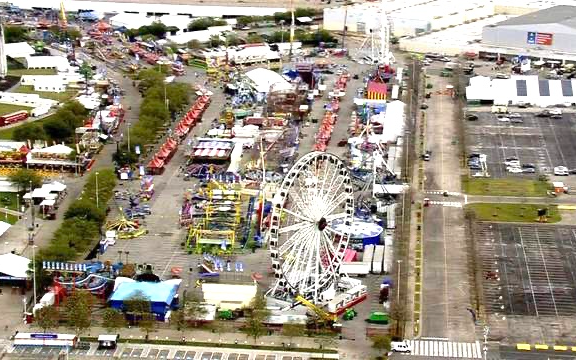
305	248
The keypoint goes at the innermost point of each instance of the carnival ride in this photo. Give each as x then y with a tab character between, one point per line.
126	229
306	251
220	206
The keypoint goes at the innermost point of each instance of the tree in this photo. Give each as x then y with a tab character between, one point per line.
13	34
85	209
47	318
215	40
29	131
179	320
147	324
25	179
255	327
292	329
205	23
218	327
254	39
138	304
325	342
381	343
194	44
113	320
78	308
398	314
56	129
232	39
86	70
193	308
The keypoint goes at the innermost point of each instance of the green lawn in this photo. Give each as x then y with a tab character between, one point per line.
20	72
60	97
513	212
504	187
7	108
6	134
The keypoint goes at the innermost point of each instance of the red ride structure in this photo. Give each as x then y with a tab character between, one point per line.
13	118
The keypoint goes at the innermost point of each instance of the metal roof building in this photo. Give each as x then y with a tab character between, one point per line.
552	30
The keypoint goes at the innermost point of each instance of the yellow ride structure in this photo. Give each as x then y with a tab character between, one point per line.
222	215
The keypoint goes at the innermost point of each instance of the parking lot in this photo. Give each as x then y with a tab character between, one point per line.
528	269
156	352
543	141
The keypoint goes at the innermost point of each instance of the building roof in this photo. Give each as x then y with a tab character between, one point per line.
560	14
18	50
160	292
263	79
11	264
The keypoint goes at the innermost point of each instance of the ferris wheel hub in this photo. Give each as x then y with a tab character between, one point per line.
322	223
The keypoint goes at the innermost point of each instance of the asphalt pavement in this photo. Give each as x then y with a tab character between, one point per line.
445	284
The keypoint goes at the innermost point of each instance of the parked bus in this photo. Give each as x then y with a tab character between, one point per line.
13	117
45	339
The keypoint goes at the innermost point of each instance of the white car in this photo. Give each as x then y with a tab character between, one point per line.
561	171
515	115
504	119
514	170
512	163
401	346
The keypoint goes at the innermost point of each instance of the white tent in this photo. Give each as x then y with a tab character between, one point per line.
130	21
4	226
18	50
55	149
14	265
263	79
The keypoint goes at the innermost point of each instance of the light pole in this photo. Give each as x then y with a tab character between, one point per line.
97	202
128	126
34	271
127	253
398	283
486	332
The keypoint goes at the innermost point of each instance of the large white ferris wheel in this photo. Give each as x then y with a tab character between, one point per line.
305	247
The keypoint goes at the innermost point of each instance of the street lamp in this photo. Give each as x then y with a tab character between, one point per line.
97	199
398	283
34	271
128	126
127	253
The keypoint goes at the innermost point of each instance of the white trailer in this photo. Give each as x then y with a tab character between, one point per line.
388	253
368	255
357	268
378	259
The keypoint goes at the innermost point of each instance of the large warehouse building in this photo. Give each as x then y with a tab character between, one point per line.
552	30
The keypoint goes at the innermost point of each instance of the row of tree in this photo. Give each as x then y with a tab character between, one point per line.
278	17
59	127
161	102
81	228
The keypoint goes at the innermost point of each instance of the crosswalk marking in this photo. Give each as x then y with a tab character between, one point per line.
440	348
440	192
457	204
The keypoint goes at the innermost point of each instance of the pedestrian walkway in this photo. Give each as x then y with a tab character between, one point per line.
448	349
457	204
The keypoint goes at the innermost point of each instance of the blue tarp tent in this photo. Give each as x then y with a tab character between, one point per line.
160	294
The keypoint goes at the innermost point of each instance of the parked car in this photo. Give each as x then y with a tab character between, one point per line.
471	117
561	171
516	121
528	166
544	113
528	170
504	119
515	115
401	346
515	163
427	155
514	169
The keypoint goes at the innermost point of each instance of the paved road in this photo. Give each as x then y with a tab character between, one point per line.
445	286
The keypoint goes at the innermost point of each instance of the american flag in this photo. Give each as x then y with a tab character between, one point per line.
543	38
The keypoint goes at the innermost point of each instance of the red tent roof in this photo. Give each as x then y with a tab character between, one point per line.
156	163
376	87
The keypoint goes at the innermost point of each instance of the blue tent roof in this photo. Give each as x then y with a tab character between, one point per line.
161	292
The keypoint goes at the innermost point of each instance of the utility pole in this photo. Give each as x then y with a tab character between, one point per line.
345	26
486	332
398	283
292	26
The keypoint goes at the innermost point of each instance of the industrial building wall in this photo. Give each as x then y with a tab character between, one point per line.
517	36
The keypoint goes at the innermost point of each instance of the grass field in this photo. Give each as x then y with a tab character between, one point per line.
513	212
7	108
20	72
60	97
504	187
